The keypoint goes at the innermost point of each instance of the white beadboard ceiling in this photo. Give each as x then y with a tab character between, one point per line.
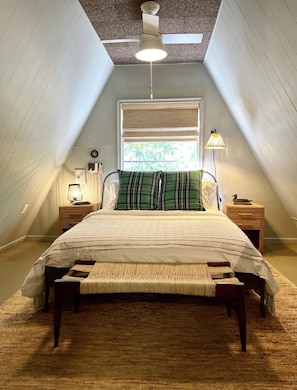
52	70
252	58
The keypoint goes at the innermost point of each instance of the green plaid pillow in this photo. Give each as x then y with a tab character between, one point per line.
181	191
138	190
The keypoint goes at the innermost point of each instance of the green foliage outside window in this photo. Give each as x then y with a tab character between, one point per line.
167	156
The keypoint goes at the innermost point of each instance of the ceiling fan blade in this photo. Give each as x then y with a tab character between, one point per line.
120	40
167	39
180	39
150	24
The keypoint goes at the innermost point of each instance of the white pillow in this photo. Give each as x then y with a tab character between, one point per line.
209	195
110	196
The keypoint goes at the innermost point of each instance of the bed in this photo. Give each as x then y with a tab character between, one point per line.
155	217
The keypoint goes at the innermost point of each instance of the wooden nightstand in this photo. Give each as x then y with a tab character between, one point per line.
70	215
250	219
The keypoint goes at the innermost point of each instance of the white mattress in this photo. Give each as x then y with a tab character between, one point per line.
152	236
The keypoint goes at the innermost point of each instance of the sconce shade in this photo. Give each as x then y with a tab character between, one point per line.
215	141
74	193
151	48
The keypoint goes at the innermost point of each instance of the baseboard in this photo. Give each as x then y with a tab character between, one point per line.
13	243
281	240
39	238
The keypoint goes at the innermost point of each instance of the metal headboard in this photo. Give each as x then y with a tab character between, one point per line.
205	174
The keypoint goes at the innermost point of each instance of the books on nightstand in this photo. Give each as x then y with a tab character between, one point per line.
242	201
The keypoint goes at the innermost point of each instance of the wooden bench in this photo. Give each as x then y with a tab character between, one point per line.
232	289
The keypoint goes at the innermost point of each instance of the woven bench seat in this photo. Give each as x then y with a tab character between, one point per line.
209	280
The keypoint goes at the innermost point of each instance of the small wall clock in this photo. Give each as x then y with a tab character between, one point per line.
94	153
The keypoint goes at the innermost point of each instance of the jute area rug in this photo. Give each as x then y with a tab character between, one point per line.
149	342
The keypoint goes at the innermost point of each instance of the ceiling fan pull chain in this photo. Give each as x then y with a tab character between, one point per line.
151	74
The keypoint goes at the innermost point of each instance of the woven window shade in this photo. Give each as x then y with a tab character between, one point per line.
159	122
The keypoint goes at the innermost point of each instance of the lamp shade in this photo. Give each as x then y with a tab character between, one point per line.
151	48
215	141
74	193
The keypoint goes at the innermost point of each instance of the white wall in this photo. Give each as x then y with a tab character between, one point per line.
253	59
237	169
52	70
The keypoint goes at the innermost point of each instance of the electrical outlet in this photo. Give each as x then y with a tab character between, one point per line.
24	209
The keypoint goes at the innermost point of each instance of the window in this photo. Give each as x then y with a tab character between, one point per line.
159	135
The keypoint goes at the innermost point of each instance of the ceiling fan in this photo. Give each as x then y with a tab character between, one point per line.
151	42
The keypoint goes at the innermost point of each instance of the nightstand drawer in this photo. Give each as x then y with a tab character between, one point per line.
246	224
70	215
245	213
73	215
66	226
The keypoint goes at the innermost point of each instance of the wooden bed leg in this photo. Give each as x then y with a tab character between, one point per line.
262	298
241	315
253	282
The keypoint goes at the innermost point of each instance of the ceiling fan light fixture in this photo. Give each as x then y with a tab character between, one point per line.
151	48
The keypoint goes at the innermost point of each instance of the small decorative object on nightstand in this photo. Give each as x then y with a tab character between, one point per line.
250	219
70	215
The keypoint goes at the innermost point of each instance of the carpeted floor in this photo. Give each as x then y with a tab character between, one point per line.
149	342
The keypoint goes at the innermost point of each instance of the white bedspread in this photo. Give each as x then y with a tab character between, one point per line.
152	236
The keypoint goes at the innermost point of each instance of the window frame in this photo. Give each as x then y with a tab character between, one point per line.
161	101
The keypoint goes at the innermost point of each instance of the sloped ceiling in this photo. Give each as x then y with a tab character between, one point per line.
52	70
50	51
253	61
